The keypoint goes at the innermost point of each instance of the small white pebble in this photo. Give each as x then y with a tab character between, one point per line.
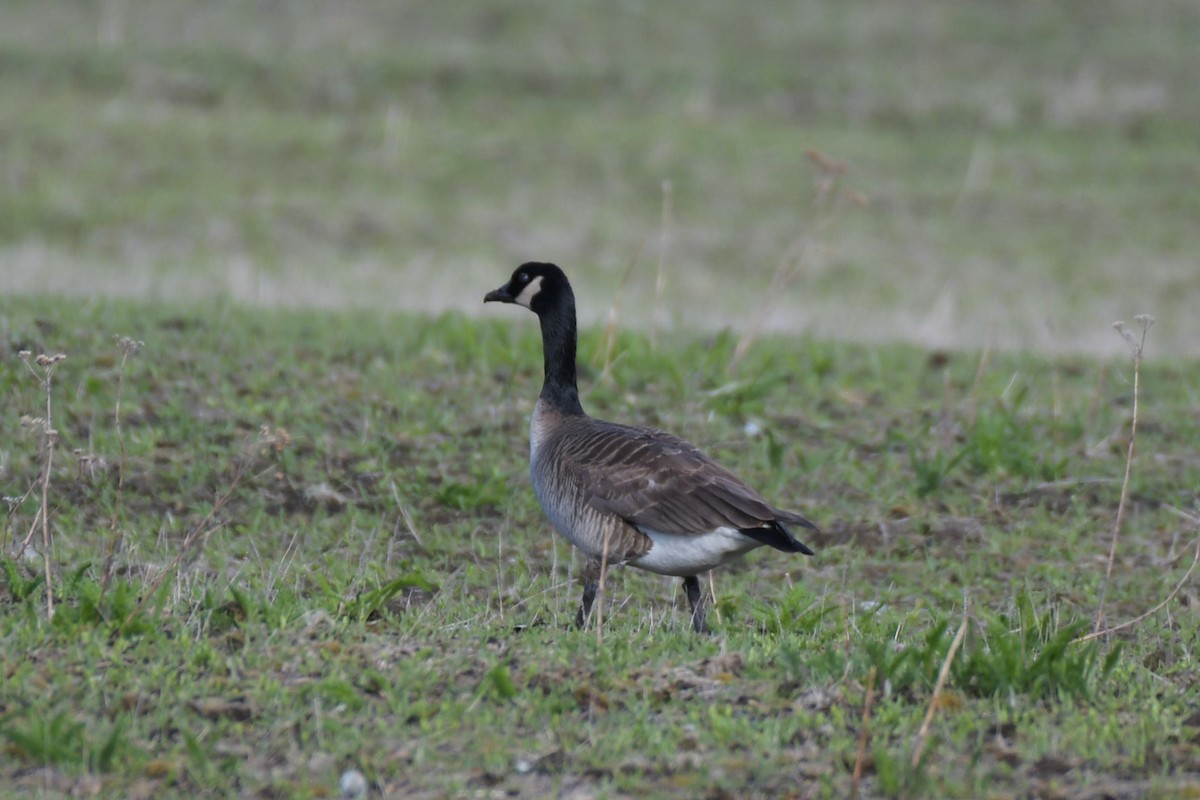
523	766
353	784
752	429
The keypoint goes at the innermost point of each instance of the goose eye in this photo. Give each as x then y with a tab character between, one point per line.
523	277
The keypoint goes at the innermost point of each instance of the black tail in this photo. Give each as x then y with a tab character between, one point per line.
779	537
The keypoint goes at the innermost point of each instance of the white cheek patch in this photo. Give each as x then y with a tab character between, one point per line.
525	298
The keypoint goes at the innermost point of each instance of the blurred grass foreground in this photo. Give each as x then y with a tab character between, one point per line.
1016	174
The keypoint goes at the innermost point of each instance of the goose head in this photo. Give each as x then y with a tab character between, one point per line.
537	286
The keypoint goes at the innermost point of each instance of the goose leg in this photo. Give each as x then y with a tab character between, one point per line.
591	584
691	585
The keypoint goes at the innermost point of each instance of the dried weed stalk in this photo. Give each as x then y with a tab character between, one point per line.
46	364
116	535
1137	346
712	596
1195	521
599	601
829	204
273	440
977	387
936	700
14	502
864	735
614	311
660	281
1146	614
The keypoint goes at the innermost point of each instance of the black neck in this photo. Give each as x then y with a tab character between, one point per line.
560	388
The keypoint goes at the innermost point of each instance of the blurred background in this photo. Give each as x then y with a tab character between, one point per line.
957	174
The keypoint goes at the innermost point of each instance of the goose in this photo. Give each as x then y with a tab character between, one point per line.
624	494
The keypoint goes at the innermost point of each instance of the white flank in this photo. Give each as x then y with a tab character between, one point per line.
683	555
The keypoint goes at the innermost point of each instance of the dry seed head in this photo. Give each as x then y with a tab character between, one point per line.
48	361
825	163
1144	322
129	346
857	198
88	463
24	355
277	439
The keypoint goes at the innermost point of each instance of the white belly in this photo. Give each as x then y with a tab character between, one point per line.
673	554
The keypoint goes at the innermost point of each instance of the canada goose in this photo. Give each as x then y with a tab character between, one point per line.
651	500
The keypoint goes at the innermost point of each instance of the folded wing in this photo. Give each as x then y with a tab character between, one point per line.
659	482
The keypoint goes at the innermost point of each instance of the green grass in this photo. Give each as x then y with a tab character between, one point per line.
382	593
328	556
1030	166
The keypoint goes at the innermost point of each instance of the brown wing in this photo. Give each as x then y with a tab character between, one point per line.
659	482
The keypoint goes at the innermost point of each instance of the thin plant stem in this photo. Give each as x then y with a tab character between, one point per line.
200	531
1137	345
116	535
935	700
864	735
712	593
599	601
46	378
829	203
977	385
614	313
51	437
33	526
660	281
1130	623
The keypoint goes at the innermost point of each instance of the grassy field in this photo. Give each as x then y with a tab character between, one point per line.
1030	168
291	531
326	556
